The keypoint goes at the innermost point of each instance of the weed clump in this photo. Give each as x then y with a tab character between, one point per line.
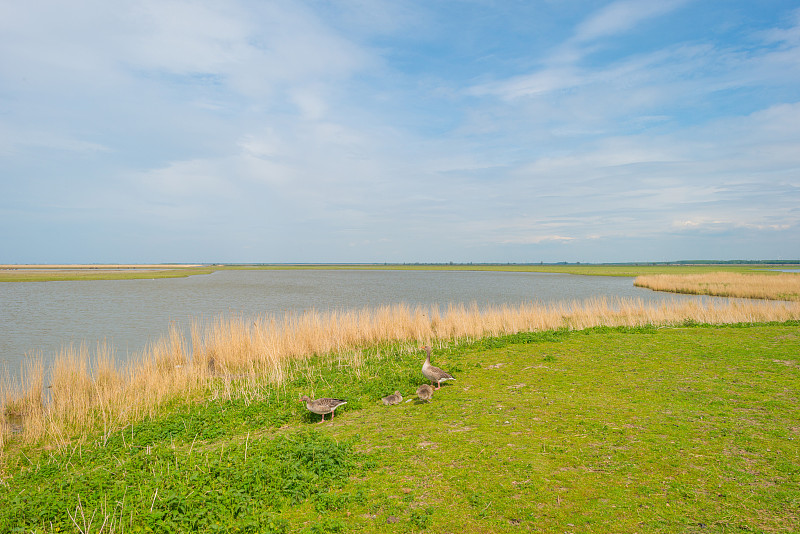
179	488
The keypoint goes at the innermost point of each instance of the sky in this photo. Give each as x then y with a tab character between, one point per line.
238	131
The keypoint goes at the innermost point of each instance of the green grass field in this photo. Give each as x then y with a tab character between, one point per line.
692	429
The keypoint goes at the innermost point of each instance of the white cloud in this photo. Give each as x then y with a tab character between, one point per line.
789	36
537	239
539	83
185	37
182	180
248	47
311	103
14	138
711	226
620	16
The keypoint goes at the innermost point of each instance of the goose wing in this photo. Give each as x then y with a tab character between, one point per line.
324	405
434	373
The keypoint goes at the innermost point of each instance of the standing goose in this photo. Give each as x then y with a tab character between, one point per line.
424	392
434	374
395	398
322	406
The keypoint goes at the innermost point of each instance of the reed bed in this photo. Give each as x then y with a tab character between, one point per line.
776	286
231	356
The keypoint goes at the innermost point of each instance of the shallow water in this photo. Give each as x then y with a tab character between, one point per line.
42	317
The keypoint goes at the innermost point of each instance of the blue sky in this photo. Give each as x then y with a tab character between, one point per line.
399	131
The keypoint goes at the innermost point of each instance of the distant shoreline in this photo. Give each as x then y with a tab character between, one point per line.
103	266
107	271
93	272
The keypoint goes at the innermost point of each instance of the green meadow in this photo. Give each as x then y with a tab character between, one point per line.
676	429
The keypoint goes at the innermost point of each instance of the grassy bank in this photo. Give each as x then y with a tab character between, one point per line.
52	273
775	286
85	392
629	429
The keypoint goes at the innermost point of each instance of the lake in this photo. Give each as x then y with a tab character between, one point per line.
42	317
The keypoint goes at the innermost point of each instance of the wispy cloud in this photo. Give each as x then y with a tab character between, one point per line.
621	16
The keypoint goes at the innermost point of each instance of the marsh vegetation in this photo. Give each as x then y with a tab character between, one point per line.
84	391
775	286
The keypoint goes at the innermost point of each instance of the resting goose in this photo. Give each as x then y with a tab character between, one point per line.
395	398
434	374
425	392
322	406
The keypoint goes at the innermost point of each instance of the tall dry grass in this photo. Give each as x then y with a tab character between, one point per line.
88	393
778	286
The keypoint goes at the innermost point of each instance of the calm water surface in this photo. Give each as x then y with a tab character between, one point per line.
42	317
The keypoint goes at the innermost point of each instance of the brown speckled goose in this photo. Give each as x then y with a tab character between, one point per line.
322	406
424	392
395	398
434	374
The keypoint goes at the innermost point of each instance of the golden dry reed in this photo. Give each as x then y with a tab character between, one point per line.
86	392
777	286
